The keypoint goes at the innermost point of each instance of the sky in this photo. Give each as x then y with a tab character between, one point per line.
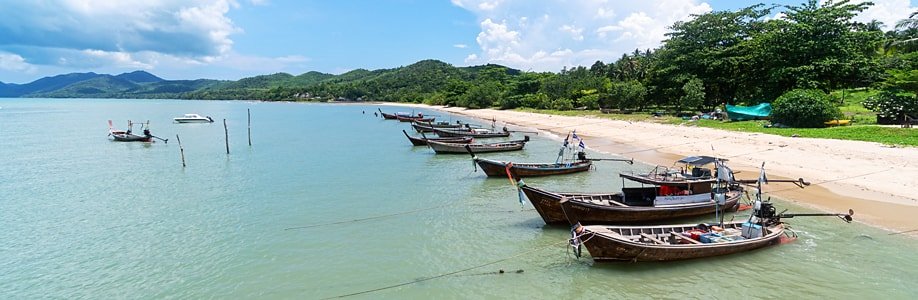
233	39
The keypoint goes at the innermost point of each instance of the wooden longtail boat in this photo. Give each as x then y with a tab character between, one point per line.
418	118
667	242
420	141
450	148
632	205
387	116
475	133
679	242
496	168
129	137
424	127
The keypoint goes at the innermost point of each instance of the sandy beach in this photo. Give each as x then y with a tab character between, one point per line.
873	179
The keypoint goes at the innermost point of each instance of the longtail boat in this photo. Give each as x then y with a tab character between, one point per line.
679	242
632	205
452	148
662	200
387	116
429	127
581	163
691	173
475	133
417	118
670	242
495	168
421	141
128	136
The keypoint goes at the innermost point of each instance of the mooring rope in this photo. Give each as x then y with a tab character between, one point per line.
837	179
447	274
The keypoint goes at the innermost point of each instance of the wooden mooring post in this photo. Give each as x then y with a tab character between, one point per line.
226	134
249	112
181	150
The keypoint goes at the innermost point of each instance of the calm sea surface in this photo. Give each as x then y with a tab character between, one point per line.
84	217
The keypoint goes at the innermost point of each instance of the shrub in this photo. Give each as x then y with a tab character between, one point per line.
804	108
562	104
536	100
511	102
890	105
694	94
591	101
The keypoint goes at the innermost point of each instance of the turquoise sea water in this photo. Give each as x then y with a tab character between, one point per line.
85	217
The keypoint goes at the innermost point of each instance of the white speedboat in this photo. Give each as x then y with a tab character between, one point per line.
193	118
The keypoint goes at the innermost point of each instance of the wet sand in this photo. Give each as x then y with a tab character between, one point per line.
876	181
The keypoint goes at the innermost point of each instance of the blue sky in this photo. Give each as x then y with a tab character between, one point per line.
231	39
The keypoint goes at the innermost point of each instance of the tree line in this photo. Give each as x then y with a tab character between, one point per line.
737	57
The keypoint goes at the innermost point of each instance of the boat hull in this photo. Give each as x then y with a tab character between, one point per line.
414	119
451	148
549	206
585	212
422	127
416	141
193	121
499	169
457	133
604	243
126	137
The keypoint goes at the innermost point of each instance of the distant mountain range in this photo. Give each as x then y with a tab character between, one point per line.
137	84
421	78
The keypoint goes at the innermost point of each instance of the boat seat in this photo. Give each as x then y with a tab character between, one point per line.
652	238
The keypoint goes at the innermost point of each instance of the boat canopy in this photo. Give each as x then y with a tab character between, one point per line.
697	160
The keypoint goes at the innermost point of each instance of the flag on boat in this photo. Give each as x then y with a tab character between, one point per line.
582	145
762	178
575	135
724	172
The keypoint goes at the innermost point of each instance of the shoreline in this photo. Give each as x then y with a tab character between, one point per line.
868	177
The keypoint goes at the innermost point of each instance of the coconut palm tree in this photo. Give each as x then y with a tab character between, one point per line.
907	32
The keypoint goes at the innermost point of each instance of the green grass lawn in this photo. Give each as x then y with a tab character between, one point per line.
852	106
868	133
637	116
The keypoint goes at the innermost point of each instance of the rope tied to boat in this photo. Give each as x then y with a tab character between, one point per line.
545	246
576	241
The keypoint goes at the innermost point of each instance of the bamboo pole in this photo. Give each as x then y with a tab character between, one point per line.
226	134
249	111
181	150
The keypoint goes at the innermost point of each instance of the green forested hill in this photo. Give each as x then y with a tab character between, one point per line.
736	57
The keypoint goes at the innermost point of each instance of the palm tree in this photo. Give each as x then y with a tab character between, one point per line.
907	31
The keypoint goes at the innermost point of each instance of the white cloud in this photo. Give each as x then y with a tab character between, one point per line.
14	62
461	46
537	34
200	29
887	11
472	58
576	33
116	59
258	2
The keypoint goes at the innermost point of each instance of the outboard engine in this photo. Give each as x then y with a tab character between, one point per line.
146	132
765	213
581	155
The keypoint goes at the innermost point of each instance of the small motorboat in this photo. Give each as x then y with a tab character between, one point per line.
193	118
